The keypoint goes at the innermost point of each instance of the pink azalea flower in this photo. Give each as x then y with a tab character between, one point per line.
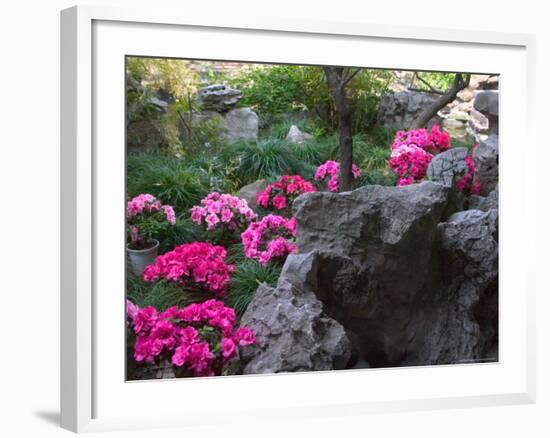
244	336
228	348
269	238
332	169
222	211
279	202
177	335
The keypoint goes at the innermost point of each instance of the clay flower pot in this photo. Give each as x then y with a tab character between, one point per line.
140	258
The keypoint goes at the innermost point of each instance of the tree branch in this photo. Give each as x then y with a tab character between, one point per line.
350	76
425	82
459	83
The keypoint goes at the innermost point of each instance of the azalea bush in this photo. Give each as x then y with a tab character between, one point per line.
467	184
410	163
146	220
198	340
224	213
280	194
433	141
412	152
194	267
271	238
330	171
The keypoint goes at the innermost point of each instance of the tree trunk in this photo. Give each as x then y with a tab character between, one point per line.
336	82
460	82
346	145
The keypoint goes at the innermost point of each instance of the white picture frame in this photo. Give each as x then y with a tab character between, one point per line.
92	396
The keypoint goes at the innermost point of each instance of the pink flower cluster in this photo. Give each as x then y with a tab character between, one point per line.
198	339
433	141
197	266
412	152
280	194
146	203
331	169
410	163
271	237
223	210
467	184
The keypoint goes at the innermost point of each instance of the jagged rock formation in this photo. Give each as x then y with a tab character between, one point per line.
410	284
448	167
292	332
218	97
398	110
486	162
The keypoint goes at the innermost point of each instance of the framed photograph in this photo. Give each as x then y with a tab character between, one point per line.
291	218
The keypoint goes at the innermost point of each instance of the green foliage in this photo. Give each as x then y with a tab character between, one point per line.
274	90
268	158
437	81
174	76
184	231
466	142
160	294
271	89
150	226
169	179
248	275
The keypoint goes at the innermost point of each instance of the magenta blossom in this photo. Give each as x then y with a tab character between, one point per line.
223	211
331	170
199	339
197	266
271	237
280	194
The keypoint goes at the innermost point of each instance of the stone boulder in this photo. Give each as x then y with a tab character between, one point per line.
298	137
250	191
448	167
409	285
461	326
292	332
484	203
486	102
486	163
239	124
236	124
218	97
478	125
398	110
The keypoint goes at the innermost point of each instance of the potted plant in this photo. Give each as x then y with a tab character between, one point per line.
146	219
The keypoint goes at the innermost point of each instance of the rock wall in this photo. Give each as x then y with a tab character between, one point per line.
398	110
473	112
411	282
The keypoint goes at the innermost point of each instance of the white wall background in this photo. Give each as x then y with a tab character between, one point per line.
29	216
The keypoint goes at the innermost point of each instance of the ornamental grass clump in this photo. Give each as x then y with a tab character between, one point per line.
280	194
147	219
195	267
330	170
271	238
198	340
224	215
